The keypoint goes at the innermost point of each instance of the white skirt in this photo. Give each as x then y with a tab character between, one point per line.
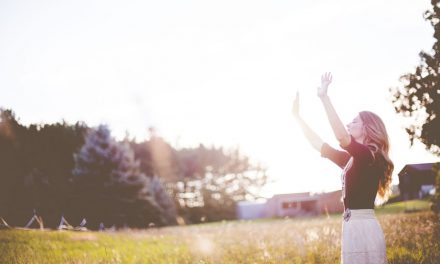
363	240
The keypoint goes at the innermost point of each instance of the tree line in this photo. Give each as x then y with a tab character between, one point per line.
78	172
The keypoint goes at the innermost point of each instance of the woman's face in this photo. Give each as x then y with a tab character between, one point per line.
356	129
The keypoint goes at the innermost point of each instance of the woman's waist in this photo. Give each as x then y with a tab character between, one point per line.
356	202
359	214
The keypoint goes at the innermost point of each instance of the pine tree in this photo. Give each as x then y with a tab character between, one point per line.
164	200
112	188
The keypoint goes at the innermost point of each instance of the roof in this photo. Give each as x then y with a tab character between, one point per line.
291	195
306	196
417	167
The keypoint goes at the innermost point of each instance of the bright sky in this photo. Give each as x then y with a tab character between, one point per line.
216	72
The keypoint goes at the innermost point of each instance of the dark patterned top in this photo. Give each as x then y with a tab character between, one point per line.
361	173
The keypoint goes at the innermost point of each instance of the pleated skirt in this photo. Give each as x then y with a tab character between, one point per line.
363	240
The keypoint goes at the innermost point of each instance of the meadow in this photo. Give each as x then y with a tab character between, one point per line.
412	234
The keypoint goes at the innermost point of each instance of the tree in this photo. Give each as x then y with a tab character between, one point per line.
165	202
214	181
164	158
35	168
50	152
202	182
161	177
111	188
419	98
15	202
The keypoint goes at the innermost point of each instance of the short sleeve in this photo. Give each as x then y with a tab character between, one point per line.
359	151
340	158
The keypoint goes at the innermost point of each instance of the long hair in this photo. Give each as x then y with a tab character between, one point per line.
376	137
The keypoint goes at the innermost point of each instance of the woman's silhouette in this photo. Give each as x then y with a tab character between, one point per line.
366	172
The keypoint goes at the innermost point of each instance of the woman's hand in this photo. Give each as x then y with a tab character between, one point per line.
326	79
311	136
295	108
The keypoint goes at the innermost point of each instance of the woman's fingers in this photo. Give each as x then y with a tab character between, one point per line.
295	109
326	77
329	76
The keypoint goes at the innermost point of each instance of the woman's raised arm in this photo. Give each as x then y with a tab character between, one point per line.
311	136
339	130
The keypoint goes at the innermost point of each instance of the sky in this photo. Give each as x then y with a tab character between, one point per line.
221	73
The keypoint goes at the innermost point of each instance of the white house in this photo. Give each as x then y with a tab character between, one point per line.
291	205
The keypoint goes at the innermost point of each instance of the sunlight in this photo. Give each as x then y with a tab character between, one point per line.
222	82
203	245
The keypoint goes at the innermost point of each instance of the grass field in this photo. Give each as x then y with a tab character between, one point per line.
411	238
402	207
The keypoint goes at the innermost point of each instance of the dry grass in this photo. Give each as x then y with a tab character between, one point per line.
411	238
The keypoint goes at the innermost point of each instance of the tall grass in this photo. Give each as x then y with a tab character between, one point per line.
411	238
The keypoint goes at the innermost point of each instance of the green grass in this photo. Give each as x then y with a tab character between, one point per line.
405	206
33	246
411	238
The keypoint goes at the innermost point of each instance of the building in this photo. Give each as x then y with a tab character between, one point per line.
416	180
292	205
330	203
250	210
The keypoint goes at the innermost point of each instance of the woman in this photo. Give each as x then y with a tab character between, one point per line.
367	171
